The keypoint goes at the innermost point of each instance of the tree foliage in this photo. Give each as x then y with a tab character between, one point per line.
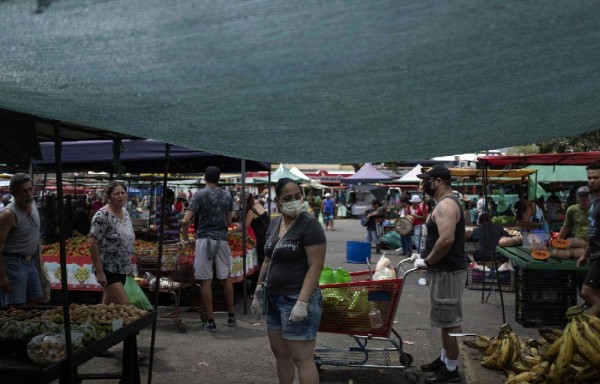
581	143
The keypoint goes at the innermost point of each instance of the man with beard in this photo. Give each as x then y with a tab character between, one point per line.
444	258
19	246
590	291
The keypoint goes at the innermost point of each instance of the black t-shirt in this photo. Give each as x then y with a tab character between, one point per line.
289	263
492	235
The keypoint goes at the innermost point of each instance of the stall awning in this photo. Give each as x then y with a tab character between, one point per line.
571	158
491	173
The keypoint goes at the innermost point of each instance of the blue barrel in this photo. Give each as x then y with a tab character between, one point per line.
358	252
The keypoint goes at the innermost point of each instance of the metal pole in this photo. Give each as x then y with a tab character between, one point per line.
160	252
244	239
63	255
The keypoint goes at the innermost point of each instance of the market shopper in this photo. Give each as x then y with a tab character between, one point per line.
111	241
172	227
295	255
576	218
20	246
258	219
405	240
374	216
419	213
488	234
590	291
328	210
444	258
213	207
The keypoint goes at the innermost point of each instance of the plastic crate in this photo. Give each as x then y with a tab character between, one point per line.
536	278
553	294
475	279
541	314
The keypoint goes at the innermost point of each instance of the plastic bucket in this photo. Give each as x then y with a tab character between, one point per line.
358	252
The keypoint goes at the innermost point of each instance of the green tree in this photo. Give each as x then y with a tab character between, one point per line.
531	149
581	143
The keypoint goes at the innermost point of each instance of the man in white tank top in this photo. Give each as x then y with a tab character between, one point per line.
19	246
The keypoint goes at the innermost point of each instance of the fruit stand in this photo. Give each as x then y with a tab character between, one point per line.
544	289
16	366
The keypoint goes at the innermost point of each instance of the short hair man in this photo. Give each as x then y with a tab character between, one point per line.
20	246
328	209
214	208
444	257
374	214
576	218
590	291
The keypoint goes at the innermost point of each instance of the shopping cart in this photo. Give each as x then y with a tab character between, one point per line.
177	273
364	309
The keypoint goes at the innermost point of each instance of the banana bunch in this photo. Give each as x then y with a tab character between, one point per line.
503	350
571	356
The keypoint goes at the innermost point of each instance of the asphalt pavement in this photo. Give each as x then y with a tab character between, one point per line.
242	355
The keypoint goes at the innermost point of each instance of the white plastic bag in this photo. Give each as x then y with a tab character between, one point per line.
384	273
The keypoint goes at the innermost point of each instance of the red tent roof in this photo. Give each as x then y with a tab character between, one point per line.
572	158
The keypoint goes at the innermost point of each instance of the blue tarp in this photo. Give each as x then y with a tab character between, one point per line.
138	156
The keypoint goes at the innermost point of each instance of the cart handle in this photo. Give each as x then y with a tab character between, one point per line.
408	272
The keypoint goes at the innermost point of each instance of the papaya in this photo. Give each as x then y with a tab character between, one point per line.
577	242
560	253
560	243
540	255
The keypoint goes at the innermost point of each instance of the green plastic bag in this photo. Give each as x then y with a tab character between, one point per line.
135	294
327	276
341	275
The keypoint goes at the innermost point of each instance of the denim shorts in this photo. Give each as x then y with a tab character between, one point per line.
280	308
327	216
24	281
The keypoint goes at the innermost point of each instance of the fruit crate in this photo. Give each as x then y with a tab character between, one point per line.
541	314
475	279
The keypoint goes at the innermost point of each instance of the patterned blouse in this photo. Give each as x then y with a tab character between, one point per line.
115	240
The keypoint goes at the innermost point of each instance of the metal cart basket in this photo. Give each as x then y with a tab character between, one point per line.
364	309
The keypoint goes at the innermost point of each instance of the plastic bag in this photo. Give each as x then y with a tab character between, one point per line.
321	220
135	294
384	273
326	276
49	348
341	275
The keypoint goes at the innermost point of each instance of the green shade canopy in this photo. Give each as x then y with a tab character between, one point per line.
310	81
560	173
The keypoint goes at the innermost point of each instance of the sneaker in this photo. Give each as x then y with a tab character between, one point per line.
210	327
434	366
443	375
231	321
398	250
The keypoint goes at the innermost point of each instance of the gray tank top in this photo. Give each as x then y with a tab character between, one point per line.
24	238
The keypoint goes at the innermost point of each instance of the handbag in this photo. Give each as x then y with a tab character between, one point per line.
364	221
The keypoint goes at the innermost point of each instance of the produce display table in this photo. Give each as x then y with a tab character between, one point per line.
22	370
522	258
544	289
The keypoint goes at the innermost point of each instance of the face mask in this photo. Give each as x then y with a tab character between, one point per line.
292	208
427	188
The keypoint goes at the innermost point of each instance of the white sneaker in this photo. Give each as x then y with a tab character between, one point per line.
398	249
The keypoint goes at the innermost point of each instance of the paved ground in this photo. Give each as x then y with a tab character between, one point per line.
241	355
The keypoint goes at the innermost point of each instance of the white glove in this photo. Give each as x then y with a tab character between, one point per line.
299	312
420	264
256	306
414	256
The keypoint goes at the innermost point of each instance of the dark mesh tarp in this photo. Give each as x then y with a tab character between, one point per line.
308	81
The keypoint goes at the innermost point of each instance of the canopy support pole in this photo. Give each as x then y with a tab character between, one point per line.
70	372
244	233
160	252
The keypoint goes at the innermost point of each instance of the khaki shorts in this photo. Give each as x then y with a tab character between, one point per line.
211	252
445	297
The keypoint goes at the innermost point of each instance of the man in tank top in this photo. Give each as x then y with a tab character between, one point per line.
444	258
19	245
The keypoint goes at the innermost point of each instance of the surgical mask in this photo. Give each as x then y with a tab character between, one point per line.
292	208
428	189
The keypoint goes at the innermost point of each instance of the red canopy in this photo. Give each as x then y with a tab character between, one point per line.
572	158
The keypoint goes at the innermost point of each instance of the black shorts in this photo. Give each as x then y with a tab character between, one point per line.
592	278
112	278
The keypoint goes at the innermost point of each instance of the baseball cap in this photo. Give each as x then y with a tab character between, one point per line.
415	199
437	172
583	191
328	194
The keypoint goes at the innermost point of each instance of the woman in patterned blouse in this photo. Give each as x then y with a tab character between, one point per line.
111	244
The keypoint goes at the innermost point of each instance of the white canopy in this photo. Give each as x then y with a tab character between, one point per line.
411	176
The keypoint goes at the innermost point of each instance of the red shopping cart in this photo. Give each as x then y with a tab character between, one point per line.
364	309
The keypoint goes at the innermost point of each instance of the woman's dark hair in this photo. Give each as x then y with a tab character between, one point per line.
112	185
282	183
249	201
